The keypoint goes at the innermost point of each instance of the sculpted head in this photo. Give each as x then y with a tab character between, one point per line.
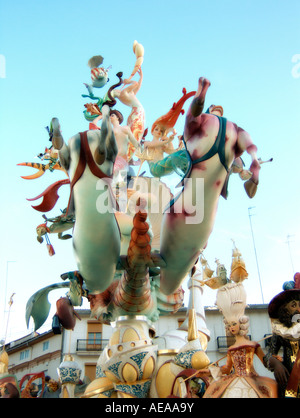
216	110
285	307
116	114
158	131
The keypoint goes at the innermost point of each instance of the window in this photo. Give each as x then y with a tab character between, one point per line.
45	345
24	354
94	336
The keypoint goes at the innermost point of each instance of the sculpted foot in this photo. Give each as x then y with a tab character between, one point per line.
203	85
198	102
251	188
57	139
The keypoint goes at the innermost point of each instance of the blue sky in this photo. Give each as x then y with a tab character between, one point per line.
246	49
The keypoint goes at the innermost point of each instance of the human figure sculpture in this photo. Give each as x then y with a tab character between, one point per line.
212	144
243	382
155	150
284	311
163	133
124	137
127	95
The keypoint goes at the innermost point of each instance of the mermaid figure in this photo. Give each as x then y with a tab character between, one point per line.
177	159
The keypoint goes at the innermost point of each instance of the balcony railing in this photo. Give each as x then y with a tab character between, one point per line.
88	345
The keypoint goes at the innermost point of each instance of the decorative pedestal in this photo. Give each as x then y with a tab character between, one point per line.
131	357
69	376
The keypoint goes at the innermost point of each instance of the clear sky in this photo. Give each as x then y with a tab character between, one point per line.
250	52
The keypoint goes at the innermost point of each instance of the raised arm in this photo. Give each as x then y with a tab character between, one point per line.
156	143
168	147
132	85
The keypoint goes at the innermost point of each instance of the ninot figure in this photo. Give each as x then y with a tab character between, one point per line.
238	378
284	312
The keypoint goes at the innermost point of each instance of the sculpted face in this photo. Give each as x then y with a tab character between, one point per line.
216	110
114	118
234	328
293	307
157	132
289	313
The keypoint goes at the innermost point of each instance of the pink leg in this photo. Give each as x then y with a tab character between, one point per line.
198	102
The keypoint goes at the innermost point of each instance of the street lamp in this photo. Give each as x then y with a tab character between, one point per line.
249	209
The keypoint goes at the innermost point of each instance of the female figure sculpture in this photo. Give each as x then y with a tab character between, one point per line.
244	382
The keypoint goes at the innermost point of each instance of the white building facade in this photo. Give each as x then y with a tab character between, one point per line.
37	353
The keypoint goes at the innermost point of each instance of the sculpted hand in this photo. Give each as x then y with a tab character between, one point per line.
281	373
169	138
126	81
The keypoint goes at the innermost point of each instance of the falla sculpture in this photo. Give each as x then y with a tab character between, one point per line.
134	241
238	378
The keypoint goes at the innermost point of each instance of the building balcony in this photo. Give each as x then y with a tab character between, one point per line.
88	347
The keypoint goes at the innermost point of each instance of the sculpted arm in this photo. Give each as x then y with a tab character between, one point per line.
154	144
168	147
273	363
132	139
260	353
134	86
244	143
165	143
216	370
226	369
